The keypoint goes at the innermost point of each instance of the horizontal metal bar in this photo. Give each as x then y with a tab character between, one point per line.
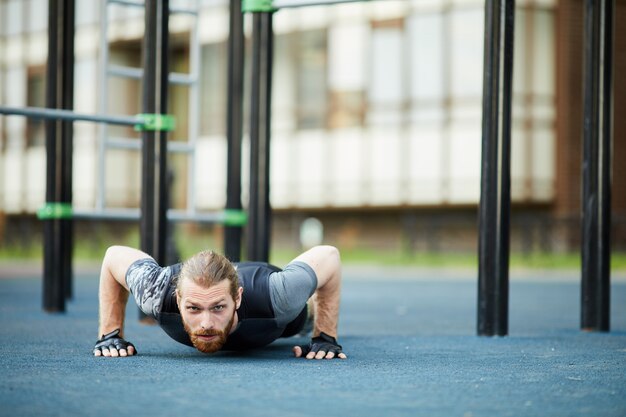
56	114
135	144
179	147
127	3
142	4
137	73
108	214
184	216
123	143
284	4
182	79
176	10
122	214
126	72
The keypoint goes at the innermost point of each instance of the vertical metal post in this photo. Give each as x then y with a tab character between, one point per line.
67	139
495	195
232	234
103	99
153	227
596	169
258	239
59	94
53	295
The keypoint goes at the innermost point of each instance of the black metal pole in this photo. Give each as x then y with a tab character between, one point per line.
67	140
53	295
596	169
495	195
232	234
59	92
153	226
258	240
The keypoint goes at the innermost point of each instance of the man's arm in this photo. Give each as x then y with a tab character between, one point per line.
113	294
326	263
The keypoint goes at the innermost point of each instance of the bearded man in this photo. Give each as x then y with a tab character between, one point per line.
213	304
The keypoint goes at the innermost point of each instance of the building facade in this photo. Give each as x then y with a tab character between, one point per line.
376	117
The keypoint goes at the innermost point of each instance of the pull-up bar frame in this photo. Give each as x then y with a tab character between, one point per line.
57	213
495	200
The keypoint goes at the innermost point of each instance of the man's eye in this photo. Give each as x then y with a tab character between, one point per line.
192	308
219	308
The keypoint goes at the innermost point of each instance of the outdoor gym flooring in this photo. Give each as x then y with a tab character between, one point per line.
410	337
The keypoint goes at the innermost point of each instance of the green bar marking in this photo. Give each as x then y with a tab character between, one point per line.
233	217
52	211
158	122
257	6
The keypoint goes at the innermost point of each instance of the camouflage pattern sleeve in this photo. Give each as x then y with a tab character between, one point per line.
148	282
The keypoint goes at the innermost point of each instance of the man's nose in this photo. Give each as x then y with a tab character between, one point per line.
207	321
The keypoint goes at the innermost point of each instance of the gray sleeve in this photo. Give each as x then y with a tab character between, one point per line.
148	282
290	289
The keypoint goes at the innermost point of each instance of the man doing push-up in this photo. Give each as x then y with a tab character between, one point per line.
213	304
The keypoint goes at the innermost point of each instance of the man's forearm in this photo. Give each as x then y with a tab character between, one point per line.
327	308
112	300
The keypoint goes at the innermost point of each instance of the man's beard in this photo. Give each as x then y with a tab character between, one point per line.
215	344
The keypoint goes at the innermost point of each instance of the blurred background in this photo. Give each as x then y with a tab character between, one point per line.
376	129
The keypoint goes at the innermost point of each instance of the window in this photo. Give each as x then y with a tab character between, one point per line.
347	73
14	19
299	81
386	89
36	97
37	12
347	109
310	56
213	84
427	53
466	66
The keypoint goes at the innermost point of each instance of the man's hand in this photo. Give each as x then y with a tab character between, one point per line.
112	345
322	346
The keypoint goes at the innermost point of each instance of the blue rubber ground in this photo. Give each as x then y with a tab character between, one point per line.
411	344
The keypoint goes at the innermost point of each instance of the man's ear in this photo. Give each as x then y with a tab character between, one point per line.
178	297
238	300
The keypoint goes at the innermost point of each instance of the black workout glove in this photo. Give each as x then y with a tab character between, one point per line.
113	341
322	343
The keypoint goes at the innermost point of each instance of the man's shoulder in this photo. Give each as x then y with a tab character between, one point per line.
143	262
251	266
254	274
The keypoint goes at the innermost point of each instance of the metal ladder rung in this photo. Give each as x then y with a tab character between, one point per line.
128	3
182	79
179	147
122	71
135	144
183	11
123	143
130	214
136	74
141	4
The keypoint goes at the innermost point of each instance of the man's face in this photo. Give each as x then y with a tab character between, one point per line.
208	313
